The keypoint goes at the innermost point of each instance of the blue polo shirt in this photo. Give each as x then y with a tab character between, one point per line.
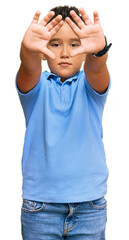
63	157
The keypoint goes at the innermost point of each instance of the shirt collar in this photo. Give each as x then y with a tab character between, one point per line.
50	75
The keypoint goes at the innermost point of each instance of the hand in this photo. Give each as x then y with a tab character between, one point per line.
39	34
91	34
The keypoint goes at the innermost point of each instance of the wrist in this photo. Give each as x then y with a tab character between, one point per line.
95	64
28	52
104	50
30	61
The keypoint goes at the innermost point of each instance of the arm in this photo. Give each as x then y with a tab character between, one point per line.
92	41
96	72
34	49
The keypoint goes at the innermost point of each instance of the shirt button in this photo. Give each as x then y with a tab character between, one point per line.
64	99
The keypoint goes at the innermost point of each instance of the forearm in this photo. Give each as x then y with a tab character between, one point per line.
29	71
96	72
31	61
95	64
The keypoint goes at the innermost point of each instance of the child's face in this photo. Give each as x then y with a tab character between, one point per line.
62	44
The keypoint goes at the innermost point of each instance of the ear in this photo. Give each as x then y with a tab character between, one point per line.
43	57
84	57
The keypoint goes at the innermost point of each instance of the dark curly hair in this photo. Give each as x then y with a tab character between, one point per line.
64	11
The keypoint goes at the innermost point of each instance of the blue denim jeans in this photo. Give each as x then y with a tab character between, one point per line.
59	221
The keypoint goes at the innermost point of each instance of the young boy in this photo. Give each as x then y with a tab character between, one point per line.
63	164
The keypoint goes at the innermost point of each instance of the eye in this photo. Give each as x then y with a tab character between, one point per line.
75	45
55	44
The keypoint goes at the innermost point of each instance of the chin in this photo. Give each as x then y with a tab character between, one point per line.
66	75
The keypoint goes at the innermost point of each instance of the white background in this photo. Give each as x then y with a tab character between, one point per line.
15	17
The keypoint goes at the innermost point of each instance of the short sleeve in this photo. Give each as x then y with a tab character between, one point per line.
99	98
28	99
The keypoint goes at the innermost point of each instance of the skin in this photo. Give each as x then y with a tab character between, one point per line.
45	40
92	41
62	45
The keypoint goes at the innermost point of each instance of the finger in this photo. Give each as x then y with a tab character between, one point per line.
77	19
78	51
46	52
74	27
36	17
56	28
54	22
47	18
96	17
85	16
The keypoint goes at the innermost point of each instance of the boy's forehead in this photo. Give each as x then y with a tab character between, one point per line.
65	32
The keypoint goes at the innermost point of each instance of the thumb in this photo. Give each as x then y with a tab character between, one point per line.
77	52
47	53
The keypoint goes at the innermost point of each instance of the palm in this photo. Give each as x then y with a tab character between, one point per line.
36	38
91	35
38	35
92	39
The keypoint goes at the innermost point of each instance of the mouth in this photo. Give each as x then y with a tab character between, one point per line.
65	64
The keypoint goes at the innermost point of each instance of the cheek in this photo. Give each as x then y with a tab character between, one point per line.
78	60
53	66
54	49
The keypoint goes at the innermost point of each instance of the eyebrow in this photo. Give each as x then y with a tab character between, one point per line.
58	39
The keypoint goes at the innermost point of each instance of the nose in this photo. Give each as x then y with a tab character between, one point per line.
65	52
